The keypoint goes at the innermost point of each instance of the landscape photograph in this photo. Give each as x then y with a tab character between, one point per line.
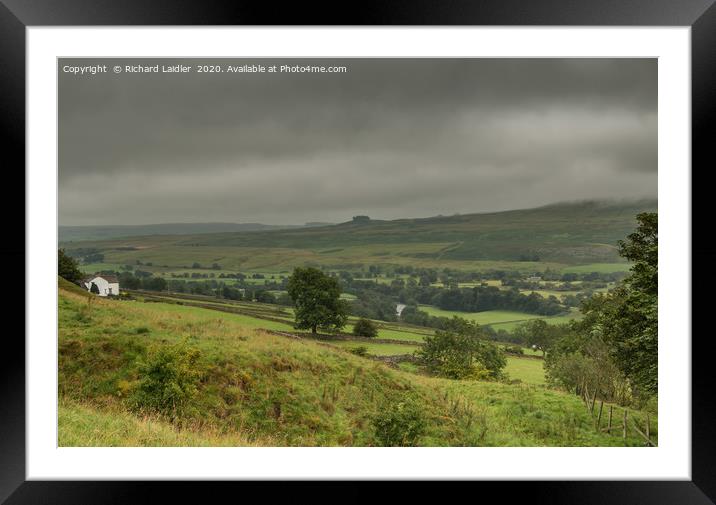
357	252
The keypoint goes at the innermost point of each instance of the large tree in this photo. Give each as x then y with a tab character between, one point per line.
626	318
67	267
316	298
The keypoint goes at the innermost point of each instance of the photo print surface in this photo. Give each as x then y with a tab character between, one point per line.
357	252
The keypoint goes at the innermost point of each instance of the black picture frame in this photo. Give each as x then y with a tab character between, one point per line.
17	15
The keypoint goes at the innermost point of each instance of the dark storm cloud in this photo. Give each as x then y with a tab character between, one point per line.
389	138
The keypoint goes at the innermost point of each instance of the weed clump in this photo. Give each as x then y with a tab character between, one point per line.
168	380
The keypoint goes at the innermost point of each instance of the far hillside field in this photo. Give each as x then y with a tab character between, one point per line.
561	236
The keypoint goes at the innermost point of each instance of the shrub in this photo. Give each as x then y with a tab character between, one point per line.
168	380
142	329
460	353
399	424
365	328
514	349
360	350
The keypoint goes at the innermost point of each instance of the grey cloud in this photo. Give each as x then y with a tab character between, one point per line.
391	138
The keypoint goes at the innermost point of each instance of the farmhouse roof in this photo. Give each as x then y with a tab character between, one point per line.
108	278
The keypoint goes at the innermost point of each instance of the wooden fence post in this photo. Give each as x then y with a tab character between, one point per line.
599	417
636	428
594	398
609	423
624	423
585	394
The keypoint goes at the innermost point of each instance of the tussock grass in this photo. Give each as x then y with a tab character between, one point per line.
87	425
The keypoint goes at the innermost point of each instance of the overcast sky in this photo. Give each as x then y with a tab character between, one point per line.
390	138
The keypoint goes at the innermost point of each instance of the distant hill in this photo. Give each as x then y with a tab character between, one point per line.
75	233
566	232
555	236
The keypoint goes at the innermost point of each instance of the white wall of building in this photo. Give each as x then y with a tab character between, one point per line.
105	287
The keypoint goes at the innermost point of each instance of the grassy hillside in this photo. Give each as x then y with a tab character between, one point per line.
70	287
256	388
553	236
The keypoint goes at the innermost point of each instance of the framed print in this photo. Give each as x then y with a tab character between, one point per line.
351	250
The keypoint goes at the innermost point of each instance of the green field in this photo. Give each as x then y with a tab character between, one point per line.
546	293
499	319
563	319
528	370
261	389
253	312
604	268
488	317
91	268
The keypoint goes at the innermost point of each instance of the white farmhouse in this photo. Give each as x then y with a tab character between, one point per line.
106	284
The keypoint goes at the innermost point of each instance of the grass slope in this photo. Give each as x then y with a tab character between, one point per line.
261	389
84	425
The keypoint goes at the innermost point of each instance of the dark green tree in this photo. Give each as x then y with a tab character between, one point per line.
618	335
642	247
365	328
67	267
537	334
265	297
628	317
154	284
316	298
94	289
